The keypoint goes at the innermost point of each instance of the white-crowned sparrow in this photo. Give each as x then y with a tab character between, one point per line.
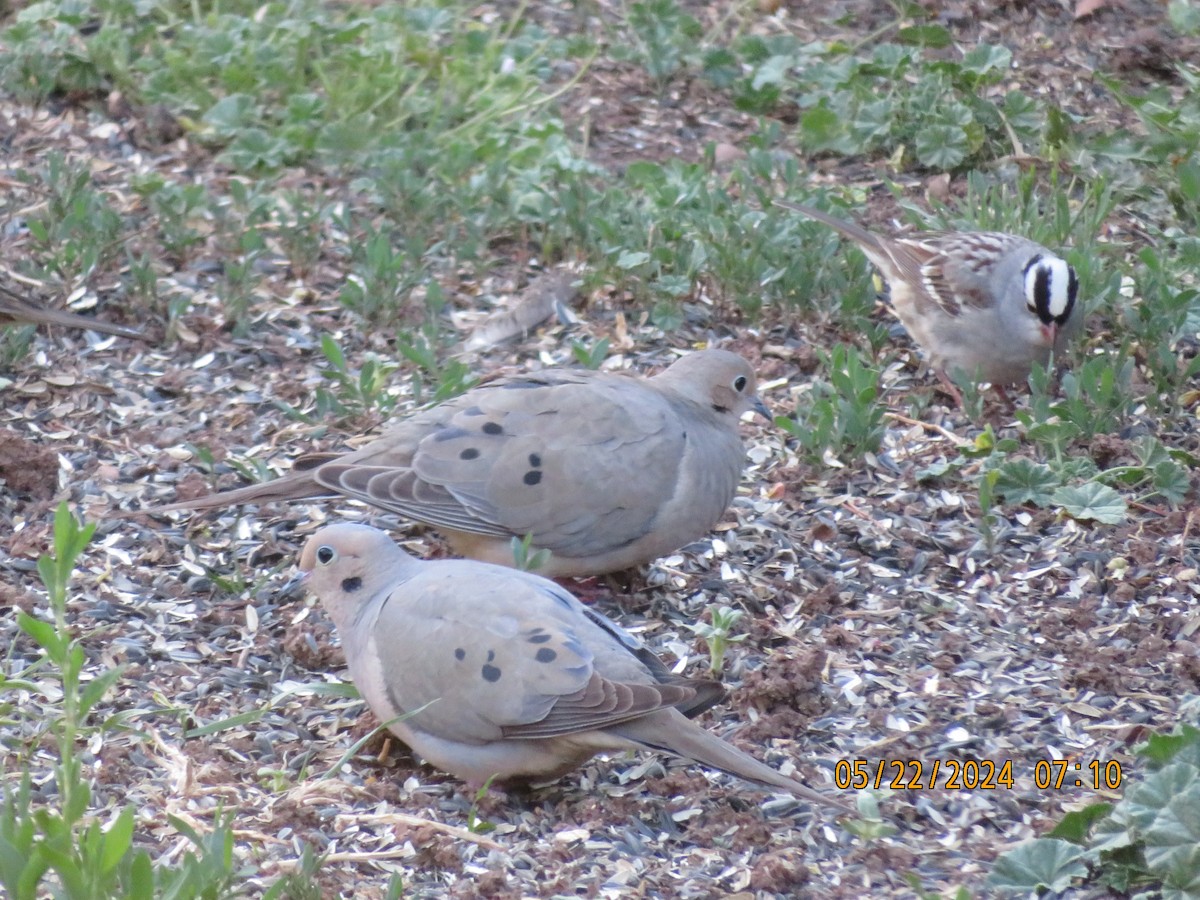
984	303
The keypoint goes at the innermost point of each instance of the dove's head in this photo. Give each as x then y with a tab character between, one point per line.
346	565
717	379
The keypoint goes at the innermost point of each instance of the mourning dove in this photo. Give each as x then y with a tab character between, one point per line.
15	309
502	674
984	303
606	471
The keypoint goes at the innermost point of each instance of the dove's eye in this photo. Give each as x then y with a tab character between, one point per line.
325	554
739	383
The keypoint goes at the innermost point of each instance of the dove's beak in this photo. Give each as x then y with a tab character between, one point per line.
1050	333
294	587
761	408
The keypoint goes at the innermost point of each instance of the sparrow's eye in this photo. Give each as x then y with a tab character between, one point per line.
739	383
1036	285
326	554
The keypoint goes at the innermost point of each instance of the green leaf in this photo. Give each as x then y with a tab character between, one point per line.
1079	468
820	128
141	877
97	688
936	470
925	36
44	633
631	259
1181	886
673	285
344	690
1058	127
35	869
1173	840
1045	863
1145	801
773	71
81	793
720	66
667	316
874	121
240	719
76	533
117	840
941	146
986	58
68	870
1075	826
230	114
1171	481
1188	174
1058	432
1094	501
644	174
1160	749
185	829
593	356
1025	481
1184	15
1022	112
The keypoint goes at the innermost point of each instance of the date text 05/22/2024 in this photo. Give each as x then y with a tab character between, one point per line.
973	775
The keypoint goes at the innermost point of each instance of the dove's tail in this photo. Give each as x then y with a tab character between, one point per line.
16	308
674	734
294	486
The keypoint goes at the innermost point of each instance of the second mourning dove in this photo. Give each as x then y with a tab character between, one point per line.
606	471
502	673
986	303
15	309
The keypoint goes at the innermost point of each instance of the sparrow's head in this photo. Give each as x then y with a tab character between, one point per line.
1051	288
